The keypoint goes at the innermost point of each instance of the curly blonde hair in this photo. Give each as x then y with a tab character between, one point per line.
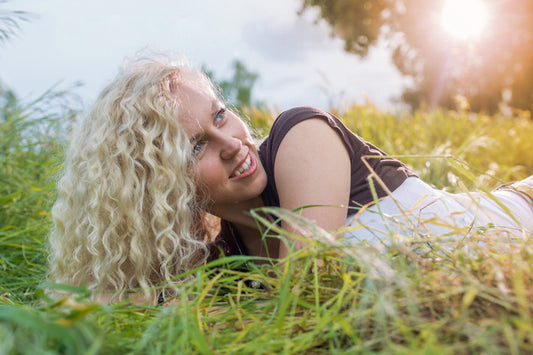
126	216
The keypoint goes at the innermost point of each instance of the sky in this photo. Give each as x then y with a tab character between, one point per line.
295	56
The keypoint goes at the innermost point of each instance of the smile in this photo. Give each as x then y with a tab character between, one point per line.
246	168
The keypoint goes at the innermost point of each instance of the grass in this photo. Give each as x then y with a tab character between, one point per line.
449	298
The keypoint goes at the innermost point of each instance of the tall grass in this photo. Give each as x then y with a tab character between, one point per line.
325	298
30	153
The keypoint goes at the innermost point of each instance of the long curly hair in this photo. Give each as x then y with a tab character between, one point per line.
127	216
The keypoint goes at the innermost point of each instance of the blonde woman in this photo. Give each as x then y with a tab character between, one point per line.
127	214
159	153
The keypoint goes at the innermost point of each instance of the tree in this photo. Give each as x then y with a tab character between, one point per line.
441	67
238	90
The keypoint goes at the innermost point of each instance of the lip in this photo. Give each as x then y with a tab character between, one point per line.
250	171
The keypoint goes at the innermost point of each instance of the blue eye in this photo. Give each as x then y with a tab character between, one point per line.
220	115
197	148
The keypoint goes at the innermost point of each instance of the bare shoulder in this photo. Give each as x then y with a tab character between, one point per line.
310	140
315	125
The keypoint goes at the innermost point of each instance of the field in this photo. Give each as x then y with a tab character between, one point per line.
322	299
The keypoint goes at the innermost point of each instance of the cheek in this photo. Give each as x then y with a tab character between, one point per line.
240	129
210	174
246	131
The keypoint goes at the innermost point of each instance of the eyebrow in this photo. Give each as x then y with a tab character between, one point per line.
195	137
215	105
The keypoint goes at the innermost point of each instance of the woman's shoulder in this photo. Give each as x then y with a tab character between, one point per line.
302	112
289	118
284	123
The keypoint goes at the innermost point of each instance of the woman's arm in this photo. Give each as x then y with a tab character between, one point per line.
312	167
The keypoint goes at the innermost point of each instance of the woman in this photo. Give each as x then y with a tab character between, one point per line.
159	154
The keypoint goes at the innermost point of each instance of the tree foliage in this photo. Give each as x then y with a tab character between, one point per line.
10	22
440	66
237	90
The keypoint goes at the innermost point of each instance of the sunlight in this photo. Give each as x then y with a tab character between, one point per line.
464	19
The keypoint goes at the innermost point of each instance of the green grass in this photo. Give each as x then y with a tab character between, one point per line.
322	299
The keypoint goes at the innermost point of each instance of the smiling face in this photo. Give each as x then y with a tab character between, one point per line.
225	158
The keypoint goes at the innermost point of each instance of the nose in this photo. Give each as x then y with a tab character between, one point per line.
230	146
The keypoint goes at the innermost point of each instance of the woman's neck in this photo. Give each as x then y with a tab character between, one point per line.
247	227
239	214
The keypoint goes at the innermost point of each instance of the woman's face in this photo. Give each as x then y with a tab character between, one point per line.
226	159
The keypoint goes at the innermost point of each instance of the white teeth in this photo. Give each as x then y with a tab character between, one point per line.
245	166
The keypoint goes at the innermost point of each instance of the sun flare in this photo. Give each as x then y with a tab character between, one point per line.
464	19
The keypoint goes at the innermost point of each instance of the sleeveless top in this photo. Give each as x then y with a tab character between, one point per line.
391	171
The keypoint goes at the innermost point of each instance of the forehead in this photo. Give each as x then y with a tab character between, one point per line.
195	105
194	98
